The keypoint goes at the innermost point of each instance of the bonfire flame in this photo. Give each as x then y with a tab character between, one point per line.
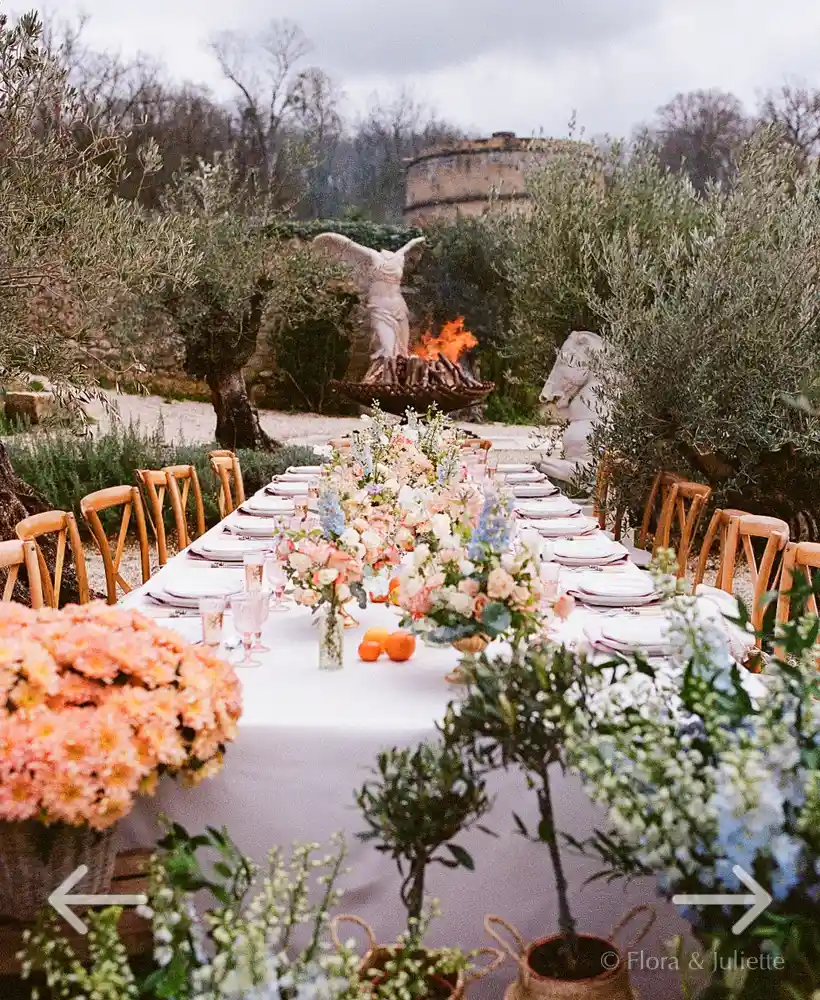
452	342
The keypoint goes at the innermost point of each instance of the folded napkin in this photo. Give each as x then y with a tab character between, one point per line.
523	477
550	507
312	470
648	634
725	603
289	489
622	585
545	489
505	468
591	550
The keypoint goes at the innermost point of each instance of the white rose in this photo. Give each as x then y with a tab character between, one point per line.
441	526
327	576
410	586
421	553
508	562
466	568
299	561
392	485
349	537
371	539
462	604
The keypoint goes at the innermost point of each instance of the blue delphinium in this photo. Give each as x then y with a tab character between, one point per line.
331	515
494	526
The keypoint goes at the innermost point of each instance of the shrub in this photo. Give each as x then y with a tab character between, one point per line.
712	333
63	468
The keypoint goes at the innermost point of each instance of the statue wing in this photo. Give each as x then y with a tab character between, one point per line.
342	249
411	251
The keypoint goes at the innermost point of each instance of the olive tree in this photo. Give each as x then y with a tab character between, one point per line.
71	253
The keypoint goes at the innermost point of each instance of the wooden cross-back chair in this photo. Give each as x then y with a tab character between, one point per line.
657	510
226	468
680	515
799	559
158	482
607	464
13	555
717	531
62	524
741	532
128	498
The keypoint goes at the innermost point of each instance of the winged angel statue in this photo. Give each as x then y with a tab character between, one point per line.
379	273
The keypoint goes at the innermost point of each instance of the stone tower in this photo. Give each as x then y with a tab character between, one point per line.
461	177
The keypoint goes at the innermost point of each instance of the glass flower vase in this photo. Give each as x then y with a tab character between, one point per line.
331	638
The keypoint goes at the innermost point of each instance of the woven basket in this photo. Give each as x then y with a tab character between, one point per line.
35	860
612	983
453	986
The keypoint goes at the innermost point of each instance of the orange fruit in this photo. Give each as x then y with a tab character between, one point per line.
400	646
369	651
392	596
377	635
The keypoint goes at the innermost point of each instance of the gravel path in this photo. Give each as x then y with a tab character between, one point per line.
194	422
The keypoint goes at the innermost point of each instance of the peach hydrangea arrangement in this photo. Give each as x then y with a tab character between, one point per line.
96	703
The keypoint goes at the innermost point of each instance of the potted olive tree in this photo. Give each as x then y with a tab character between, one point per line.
518	712
415	805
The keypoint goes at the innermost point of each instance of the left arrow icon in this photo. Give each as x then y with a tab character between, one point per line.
62	900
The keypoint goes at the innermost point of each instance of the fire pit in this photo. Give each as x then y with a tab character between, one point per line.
431	374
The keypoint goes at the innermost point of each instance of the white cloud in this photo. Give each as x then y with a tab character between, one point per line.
491	66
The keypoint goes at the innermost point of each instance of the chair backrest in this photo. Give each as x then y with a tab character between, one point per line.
680	515
128	498
13	555
607	464
656	507
154	483
62	524
185	474
159	482
227	470
741	532
718	530
799	560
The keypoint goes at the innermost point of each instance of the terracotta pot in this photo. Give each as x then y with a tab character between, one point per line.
35	860
441	987
610	983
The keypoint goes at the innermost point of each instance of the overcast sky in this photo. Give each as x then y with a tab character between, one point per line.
490	65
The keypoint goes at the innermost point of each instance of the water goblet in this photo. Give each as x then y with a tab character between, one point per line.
212	610
278	580
247	617
254	563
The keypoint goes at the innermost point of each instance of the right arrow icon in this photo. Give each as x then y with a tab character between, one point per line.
757	902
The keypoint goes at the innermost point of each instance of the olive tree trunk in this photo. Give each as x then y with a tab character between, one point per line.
237	419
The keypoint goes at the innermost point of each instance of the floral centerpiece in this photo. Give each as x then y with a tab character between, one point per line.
326	566
474	588
97	703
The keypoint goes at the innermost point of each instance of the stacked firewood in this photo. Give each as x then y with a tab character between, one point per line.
420	373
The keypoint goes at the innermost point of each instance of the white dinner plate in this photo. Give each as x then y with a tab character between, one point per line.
213	583
249	524
267	506
225	547
649	634
561	527
296	477
624	585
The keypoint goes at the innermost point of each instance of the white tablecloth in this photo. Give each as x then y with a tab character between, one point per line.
307	739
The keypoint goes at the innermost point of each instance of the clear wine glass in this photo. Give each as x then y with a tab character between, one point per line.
247	618
278	580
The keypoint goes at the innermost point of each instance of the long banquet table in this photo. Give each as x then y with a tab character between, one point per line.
307	739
